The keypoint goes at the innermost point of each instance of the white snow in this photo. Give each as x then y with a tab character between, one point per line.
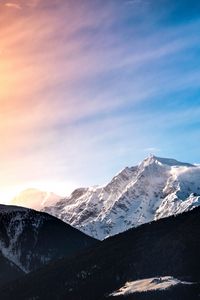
10	251
156	188
149	284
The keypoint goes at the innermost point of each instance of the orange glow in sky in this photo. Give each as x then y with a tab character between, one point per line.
84	85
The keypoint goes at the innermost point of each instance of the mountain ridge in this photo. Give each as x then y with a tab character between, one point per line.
155	188
30	239
166	247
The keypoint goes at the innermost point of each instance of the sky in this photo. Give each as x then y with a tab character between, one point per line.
88	87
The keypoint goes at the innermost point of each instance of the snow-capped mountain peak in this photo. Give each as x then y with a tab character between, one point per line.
156	188
152	159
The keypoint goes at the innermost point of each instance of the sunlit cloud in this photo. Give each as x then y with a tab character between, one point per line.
13	5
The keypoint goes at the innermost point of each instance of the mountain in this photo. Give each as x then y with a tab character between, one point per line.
31	239
35	199
8	271
156	188
164	253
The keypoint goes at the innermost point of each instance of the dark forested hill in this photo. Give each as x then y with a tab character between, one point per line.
8	271
30	239
167	247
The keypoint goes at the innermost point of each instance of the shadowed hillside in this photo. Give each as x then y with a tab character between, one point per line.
30	240
168	247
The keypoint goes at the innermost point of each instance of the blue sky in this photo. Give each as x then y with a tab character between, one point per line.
89	87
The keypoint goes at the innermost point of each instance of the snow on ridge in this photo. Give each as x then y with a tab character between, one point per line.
10	251
171	162
156	188
14	221
149	284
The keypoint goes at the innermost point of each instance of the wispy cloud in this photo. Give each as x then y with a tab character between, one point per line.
135	2
152	150
13	5
75	80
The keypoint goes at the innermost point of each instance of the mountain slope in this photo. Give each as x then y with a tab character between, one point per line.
30	239
156	188
35	199
167	247
8	271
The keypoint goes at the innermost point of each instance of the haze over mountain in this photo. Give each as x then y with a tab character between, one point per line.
156	188
35	199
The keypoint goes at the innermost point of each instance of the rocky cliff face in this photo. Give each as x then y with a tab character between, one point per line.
156	188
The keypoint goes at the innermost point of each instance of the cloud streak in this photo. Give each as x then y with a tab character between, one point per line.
75	80
13	5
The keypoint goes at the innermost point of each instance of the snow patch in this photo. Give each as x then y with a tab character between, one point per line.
14	228
149	284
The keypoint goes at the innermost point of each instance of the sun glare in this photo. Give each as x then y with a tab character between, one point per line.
62	189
